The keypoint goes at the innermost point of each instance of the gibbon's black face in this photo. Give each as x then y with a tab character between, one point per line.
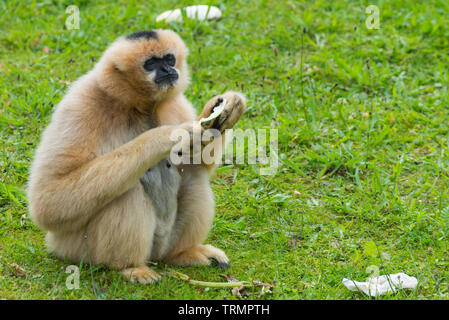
164	68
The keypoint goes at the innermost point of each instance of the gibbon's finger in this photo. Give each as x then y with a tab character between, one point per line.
216	110
186	153
209	136
231	114
186	135
210	106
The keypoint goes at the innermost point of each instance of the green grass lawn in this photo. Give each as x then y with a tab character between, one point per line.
362	114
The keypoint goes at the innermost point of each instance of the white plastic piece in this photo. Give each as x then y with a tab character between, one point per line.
380	285
217	111
201	12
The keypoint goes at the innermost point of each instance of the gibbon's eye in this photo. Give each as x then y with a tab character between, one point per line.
165	73
150	64
170	59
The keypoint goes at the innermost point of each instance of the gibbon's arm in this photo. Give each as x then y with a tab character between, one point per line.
180	110
67	202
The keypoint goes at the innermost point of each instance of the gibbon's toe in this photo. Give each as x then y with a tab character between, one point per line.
216	255
221	265
201	255
141	274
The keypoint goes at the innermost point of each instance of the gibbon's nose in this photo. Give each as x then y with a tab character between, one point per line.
166	75
172	73
165	68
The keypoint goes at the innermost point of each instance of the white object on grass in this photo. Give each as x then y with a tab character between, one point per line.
382	284
201	12
217	111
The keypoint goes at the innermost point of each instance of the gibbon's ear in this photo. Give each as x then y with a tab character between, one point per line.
118	55
116	59
117	68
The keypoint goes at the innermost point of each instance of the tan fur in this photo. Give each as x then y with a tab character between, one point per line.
84	186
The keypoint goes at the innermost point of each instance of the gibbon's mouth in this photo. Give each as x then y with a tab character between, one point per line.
167	80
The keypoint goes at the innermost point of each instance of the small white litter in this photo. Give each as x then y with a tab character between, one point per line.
382	284
201	12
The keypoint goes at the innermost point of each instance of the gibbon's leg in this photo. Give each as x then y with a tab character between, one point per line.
75	198
193	221
121	235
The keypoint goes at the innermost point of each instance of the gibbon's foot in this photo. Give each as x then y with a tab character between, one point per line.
142	274
235	106
201	255
222	265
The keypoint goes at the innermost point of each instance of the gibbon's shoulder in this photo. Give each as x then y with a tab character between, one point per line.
85	92
83	99
77	116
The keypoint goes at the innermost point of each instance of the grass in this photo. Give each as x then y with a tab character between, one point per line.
362	124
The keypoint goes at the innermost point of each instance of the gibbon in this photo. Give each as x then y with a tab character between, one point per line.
102	183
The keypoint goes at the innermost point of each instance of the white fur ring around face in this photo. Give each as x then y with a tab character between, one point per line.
201	12
209	121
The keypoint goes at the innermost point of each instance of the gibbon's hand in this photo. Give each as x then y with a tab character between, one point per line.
235	106
187	137
192	128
